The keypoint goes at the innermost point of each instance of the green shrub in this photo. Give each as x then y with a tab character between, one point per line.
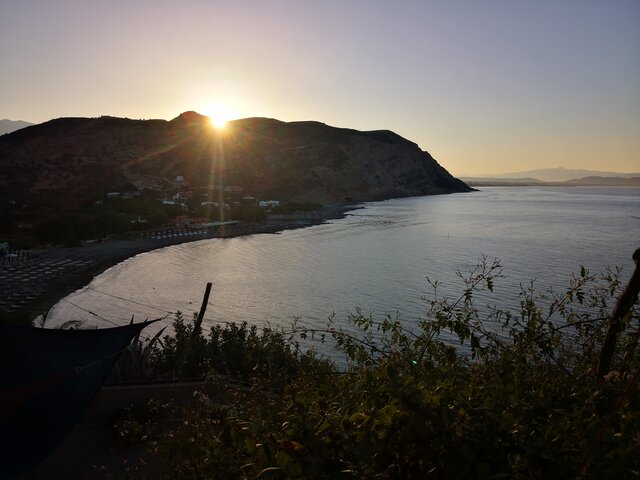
241	351
518	401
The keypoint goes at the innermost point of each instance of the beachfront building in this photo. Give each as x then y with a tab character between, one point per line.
183	196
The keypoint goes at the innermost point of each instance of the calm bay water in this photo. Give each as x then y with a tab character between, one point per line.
376	258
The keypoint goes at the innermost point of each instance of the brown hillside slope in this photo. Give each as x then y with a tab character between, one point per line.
68	161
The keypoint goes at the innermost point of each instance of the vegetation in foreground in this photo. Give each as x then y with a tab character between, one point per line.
522	400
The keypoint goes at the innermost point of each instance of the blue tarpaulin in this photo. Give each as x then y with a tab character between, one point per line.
47	380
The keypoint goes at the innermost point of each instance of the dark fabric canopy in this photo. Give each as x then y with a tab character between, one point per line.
47	380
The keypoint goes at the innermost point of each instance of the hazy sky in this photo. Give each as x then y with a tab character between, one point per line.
485	86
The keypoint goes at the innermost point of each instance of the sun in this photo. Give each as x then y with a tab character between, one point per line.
218	122
219	114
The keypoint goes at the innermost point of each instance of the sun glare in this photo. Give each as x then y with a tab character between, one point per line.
219	115
218	122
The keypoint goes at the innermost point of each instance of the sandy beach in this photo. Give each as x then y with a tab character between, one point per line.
30	288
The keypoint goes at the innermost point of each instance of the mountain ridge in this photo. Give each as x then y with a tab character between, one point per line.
9	126
69	161
557	174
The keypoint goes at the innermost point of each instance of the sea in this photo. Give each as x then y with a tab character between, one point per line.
377	259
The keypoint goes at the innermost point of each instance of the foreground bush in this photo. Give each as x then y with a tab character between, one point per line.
519	401
240	351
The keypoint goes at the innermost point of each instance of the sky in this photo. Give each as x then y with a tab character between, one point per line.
489	86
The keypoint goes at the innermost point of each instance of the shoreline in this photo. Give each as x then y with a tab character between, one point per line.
54	273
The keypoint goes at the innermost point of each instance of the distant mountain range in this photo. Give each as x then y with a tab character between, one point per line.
8	126
67	162
559	174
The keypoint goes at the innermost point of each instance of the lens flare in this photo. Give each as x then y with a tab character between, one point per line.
219	114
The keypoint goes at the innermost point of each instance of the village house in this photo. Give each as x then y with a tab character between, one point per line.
183	196
180	182
269	203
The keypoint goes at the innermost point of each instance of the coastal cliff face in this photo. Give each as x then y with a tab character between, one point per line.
70	161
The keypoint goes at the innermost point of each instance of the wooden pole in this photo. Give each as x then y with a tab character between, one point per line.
197	326
626	300
203	309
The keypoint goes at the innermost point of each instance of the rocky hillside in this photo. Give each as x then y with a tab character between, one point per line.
69	161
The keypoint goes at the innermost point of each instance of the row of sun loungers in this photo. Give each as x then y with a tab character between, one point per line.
22	283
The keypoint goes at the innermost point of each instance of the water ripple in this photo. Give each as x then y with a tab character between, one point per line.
377	258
